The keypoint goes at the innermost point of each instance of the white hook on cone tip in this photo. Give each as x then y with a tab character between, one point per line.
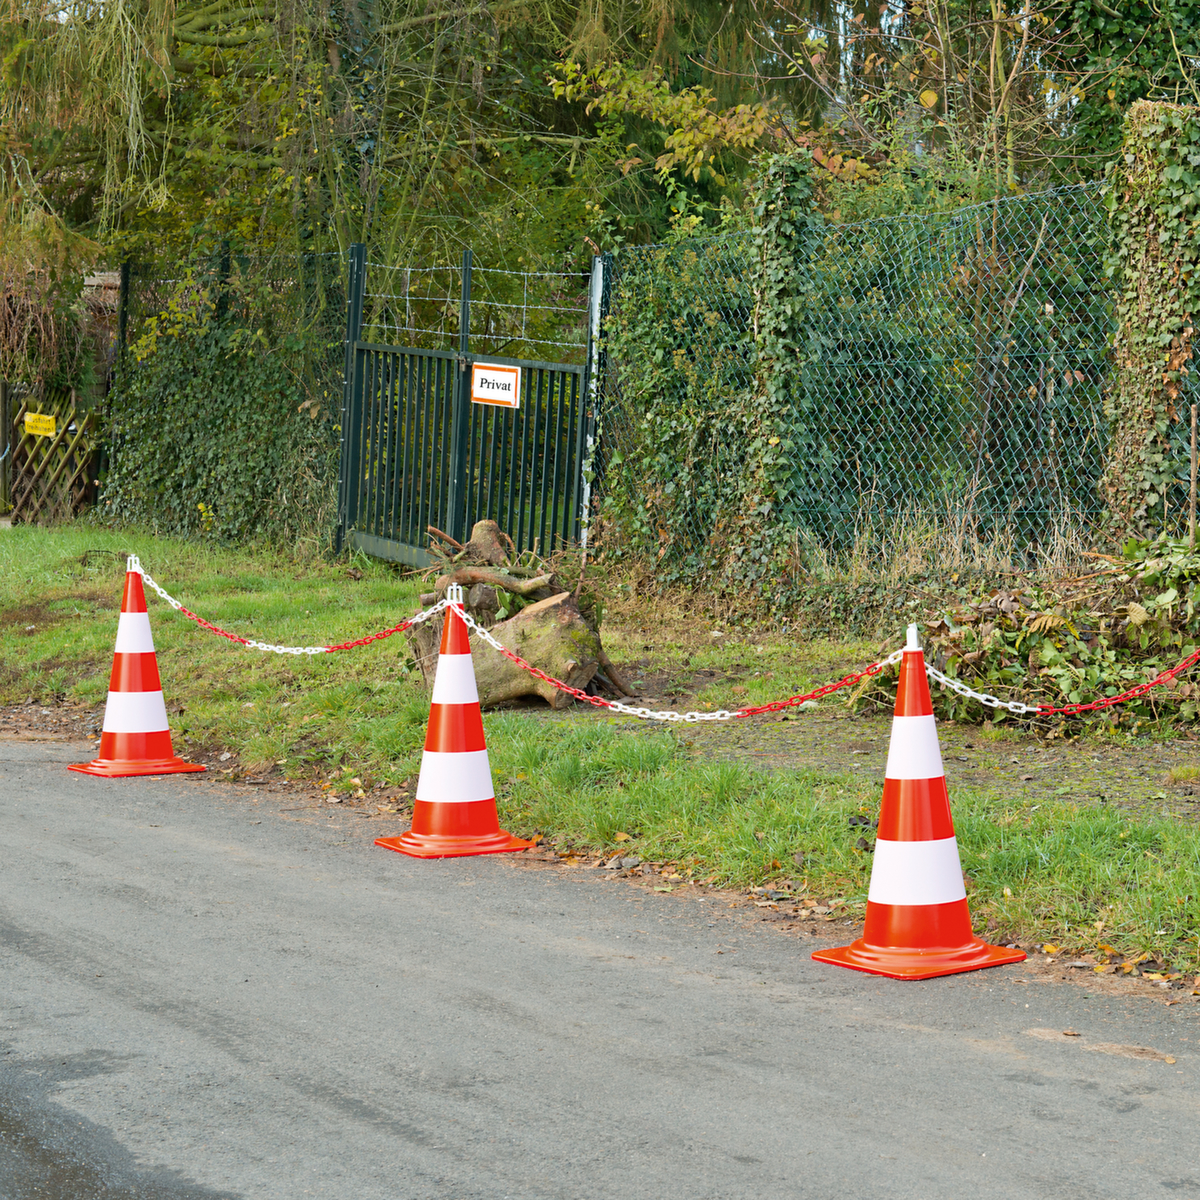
454	593
134	564
913	643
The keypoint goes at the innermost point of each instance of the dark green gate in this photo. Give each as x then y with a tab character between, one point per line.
417	453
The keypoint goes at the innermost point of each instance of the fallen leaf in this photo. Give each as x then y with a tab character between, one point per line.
1143	1052
1070	1033
1049	949
620	837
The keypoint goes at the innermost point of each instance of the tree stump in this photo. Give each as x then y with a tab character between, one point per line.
551	635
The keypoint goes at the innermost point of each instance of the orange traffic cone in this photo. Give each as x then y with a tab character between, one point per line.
455	810
136	739
917	922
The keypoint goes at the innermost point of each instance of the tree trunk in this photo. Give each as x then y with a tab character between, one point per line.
551	635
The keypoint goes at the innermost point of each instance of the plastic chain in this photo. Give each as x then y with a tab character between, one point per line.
649	714
135	565
955	685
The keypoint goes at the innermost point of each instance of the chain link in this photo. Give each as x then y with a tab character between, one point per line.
454	600
955	685
649	714
249	643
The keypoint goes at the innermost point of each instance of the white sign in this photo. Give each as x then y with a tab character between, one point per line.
494	384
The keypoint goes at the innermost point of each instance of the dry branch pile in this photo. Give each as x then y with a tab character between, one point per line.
542	611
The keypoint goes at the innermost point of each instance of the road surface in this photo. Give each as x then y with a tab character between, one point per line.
207	998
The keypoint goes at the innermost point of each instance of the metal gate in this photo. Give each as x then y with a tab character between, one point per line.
418	453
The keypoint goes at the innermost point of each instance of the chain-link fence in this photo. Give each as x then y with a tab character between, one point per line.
943	378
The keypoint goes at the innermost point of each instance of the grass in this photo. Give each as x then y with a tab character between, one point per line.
1055	872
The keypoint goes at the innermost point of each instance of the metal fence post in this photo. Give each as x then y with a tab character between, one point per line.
5	449
356	282
122	314
462	411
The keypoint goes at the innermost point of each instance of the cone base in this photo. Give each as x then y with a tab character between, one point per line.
114	768
918	964
432	845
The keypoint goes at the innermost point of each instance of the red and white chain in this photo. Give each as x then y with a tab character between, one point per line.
650	714
955	685
454	599
424	615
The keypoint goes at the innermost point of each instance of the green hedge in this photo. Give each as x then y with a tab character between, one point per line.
223	422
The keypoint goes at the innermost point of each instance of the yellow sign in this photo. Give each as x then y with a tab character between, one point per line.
41	425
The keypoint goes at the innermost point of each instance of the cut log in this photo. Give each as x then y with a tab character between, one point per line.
468	576
489	544
550	634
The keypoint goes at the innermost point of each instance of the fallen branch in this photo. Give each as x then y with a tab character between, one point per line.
444	536
497	579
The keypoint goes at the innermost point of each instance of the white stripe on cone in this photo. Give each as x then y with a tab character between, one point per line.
454	682
455	778
914	752
135	712
916	872
133	634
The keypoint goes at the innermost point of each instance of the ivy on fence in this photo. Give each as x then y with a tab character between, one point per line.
1154	197
223	419
792	395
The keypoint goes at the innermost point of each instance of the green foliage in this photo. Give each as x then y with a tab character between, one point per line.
680	354
222	422
1118	54
47	338
942	368
1080	641
1154	195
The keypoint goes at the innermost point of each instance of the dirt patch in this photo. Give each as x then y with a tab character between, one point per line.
36	615
36	721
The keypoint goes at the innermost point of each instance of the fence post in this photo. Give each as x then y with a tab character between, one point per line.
356	281
122	313
462	411
590	400
5	449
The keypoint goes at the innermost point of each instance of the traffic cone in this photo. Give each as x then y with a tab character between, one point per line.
917	925
455	810
136	739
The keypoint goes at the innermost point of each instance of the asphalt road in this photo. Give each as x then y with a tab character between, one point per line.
197	1006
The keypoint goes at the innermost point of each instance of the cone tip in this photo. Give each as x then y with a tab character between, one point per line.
913	641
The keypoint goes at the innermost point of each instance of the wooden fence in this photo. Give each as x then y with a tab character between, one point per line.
50	443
